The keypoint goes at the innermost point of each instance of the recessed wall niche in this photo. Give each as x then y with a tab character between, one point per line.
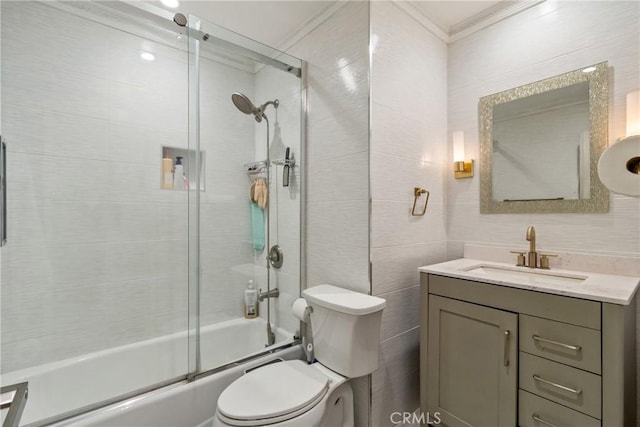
172	159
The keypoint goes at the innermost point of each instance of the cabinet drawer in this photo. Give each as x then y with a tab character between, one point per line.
568	344
534	411
577	389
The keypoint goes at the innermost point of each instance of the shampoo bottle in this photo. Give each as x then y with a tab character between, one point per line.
250	301
167	173
178	175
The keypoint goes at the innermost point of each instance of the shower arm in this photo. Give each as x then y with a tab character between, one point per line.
275	104
260	113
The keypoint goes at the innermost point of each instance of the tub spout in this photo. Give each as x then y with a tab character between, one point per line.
273	293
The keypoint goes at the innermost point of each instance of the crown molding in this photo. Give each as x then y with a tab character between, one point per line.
310	24
489	17
470	25
412	11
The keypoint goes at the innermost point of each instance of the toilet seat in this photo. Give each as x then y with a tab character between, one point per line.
272	394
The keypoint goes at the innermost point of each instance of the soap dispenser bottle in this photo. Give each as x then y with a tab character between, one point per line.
178	175
250	301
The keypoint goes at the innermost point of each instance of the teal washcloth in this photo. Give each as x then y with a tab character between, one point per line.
257	226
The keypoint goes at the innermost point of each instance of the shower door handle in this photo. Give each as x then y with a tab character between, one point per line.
3	192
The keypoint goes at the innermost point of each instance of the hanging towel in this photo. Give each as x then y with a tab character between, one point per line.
257	227
260	193
252	192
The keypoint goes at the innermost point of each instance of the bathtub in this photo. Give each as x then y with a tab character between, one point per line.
67	385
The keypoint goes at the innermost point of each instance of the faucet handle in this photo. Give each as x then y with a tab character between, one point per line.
520	259
544	260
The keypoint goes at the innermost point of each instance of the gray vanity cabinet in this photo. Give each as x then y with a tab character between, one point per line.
474	371
493	355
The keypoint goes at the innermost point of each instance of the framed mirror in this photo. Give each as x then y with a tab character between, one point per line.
540	144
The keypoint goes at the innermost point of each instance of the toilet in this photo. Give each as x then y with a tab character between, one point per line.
346	331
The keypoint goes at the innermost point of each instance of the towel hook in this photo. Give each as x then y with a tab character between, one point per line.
417	192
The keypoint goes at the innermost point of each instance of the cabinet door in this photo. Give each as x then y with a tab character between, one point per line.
472	371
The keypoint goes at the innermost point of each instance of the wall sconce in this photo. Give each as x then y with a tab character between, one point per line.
462	168
633	113
619	165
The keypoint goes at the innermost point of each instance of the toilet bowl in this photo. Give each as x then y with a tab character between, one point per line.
290	393
345	327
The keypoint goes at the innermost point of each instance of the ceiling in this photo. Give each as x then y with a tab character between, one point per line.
274	22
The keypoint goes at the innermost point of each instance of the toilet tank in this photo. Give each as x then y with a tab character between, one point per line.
346	329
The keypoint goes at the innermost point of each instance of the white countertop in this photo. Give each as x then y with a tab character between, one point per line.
597	287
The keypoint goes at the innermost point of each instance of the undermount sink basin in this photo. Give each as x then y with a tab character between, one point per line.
524	274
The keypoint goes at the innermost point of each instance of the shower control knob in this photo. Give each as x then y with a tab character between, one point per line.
276	256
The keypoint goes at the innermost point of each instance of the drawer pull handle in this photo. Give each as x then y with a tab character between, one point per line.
556	343
540	420
506	348
575	391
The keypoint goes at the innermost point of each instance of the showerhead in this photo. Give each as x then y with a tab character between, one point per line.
244	104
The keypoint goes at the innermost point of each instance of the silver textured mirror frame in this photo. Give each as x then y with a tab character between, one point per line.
598	134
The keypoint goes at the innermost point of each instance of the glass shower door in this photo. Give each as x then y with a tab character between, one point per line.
246	119
94	274
134	221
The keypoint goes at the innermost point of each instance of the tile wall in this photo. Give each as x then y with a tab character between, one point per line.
98	252
285	205
408	135
338	148
548	39
337	205
97	256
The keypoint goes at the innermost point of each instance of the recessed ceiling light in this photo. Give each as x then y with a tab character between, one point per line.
147	56
589	69
170	3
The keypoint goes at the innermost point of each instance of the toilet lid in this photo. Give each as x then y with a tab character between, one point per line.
273	391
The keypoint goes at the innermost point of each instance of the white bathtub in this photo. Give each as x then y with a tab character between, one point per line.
67	385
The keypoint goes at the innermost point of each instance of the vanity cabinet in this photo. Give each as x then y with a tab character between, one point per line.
493	355
474	366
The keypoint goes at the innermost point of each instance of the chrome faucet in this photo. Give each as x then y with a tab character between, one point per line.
273	293
532	255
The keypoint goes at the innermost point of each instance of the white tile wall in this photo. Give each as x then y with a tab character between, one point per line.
395	385
56	134
86	120
285	202
395	266
337	148
409	125
543	41
401	312
337	208
98	253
